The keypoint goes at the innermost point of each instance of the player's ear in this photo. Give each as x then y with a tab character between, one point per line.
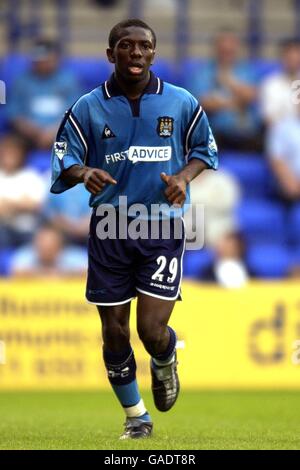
110	55
153	57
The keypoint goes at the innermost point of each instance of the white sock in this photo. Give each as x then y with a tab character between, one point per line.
136	410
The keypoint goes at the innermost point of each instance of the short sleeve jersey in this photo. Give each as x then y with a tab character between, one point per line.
133	140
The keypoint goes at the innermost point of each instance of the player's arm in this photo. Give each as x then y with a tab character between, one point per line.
277	146
215	102
242	92
70	149
200	149
93	179
176	184
71	153
288	182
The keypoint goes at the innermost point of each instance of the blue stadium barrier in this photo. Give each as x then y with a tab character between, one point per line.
189	68
195	262
91	71
5	262
251	171
269	261
293	225
12	67
261	220
192	66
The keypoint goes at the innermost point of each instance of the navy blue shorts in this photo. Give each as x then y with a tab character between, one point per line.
120	268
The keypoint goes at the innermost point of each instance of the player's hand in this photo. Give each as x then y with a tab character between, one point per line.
176	189
94	180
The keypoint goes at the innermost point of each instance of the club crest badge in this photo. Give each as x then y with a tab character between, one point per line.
165	126
60	149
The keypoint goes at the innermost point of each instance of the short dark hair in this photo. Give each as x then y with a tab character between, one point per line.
116	32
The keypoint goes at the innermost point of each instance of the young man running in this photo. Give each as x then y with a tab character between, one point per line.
138	138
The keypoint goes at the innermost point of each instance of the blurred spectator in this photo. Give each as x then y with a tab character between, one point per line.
225	88
22	192
70	213
41	96
47	256
219	193
276	91
229	267
283	148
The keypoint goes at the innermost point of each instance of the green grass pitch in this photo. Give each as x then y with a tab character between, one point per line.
200	420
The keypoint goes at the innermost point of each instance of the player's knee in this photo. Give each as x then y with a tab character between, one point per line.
151	336
115	336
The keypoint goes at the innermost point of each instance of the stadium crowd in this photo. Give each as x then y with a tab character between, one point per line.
252	204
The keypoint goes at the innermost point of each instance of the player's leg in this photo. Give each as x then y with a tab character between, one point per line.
121	368
159	340
110	286
158	279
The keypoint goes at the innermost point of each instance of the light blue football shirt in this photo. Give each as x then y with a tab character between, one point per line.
134	141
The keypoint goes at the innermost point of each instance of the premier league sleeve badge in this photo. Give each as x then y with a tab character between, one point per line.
60	149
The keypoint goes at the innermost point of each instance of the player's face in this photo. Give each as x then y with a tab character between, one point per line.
227	48
46	66
133	54
48	244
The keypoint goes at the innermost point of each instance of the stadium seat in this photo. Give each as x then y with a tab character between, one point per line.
5	262
293	225
251	171
90	71
262	221
165	70
270	261
12	66
196	261
189	68
40	160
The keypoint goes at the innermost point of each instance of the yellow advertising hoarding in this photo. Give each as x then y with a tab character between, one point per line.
50	338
